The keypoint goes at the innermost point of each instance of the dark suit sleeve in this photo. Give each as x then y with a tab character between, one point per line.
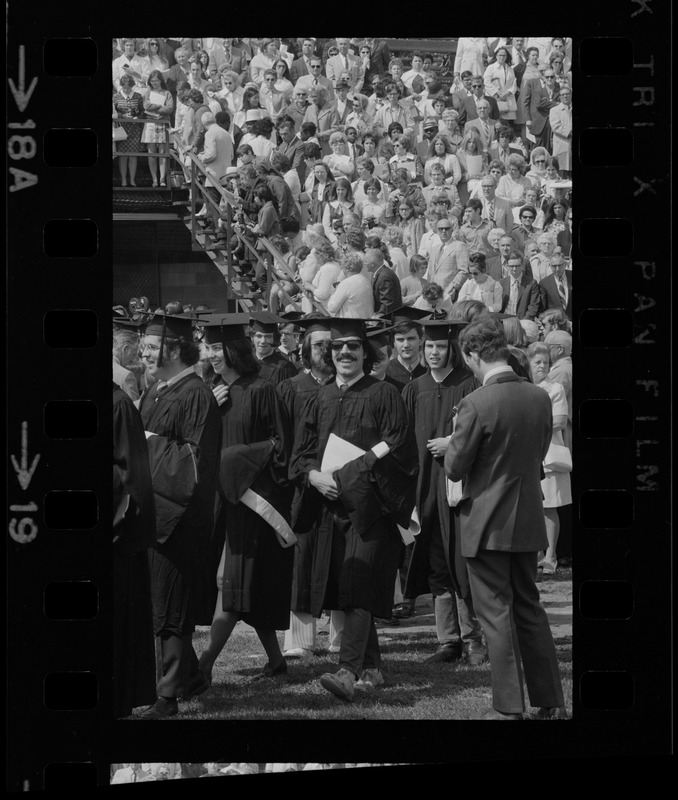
387	294
526	98
465	443
534	301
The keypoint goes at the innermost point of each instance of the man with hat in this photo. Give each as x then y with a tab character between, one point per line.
436	563
341	106
289	337
300	637
183	432
265	336
363	499
429	130
407	333
126	353
502	521
252	535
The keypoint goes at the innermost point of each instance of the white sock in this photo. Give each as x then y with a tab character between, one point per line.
301	632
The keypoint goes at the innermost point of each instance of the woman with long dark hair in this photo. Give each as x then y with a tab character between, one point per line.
157	100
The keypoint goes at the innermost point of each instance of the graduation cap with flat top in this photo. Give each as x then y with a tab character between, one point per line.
222	328
438	329
265	322
313	322
168	326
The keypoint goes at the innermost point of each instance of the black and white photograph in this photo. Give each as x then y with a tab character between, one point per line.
342	365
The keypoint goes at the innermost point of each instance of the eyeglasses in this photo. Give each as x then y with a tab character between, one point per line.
353	346
476	85
540	161
316	66
444	227
155	43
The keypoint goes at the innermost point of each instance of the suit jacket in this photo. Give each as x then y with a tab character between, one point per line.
494	268
298	69
295	152
340	118
477	125
468	110
335	67
218	149
306	82
502	505
386	290
550	296
529	297
503	214
536	105
445	261
323	121
379	58
236	62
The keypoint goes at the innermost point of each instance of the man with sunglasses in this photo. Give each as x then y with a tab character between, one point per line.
538	97
525	232
362	499
315	79
448	262
469	106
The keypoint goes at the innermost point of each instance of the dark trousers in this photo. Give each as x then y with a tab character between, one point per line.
179	664
517	632
359	643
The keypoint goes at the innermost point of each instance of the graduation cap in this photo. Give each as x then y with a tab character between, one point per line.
291	317
222	328
169	326
312	322
438	329
379	331
265	322
406	315
341	327
127	324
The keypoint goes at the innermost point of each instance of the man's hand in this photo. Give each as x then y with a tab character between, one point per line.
324	483
438	447
454	293
220	392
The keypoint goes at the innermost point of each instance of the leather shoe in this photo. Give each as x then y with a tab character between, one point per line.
494	714
370	679
445	653
474	654
197	685
270	672
162	708
340	684
558	712
404	610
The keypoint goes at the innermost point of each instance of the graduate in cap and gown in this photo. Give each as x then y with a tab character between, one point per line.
407	333
254	577
265	336
183	434
133	535
363	501
436	564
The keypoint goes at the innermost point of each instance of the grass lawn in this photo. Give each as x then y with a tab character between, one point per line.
413	690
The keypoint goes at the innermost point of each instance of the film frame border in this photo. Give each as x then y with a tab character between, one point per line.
37	560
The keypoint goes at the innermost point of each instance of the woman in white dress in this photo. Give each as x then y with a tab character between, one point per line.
556	485
500	83
157	100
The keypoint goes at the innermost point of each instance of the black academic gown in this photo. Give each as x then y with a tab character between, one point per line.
285	368
257	436
133	648
431	409
400	376
184	458
358	544
295	393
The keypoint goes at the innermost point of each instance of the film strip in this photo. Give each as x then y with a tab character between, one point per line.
58	545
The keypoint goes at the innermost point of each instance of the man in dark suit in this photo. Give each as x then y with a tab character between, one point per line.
502	521
520	294
468	109
292	147
380	55
300	66
385	284
556	289
538	96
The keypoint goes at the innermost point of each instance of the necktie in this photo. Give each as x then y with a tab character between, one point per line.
486	128
315	81
504	268
345	62
562	291
343	387
490	211
514	296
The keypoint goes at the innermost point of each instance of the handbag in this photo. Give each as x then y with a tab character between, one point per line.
119	133
558	459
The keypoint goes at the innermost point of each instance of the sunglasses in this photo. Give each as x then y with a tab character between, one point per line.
444	227
353	346
540	161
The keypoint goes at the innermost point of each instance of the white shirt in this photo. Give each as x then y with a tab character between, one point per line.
496	371
353	298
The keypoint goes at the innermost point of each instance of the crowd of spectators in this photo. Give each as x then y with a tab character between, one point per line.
144	773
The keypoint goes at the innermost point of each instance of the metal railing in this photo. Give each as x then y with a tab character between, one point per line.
272	256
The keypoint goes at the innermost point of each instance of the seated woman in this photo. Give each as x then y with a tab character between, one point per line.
381	166
551	177
231	92
372	209
555	217
338	160
537	167
534	197
433	300
321	287
480	286
450	129
271	100
365	169
319	191
261	143
403	159
440	152
340	201
414	284
157	100
472	163
513	184
250	102
283	83
358	118
412	227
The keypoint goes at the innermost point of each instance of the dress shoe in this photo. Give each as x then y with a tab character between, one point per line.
340	684
386	621
494	714
333	648
162	708
197	685
269	672
445	653
370	679
404	610
558	712
298	652
475	654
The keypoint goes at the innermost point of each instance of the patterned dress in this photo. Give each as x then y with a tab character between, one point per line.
133	105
